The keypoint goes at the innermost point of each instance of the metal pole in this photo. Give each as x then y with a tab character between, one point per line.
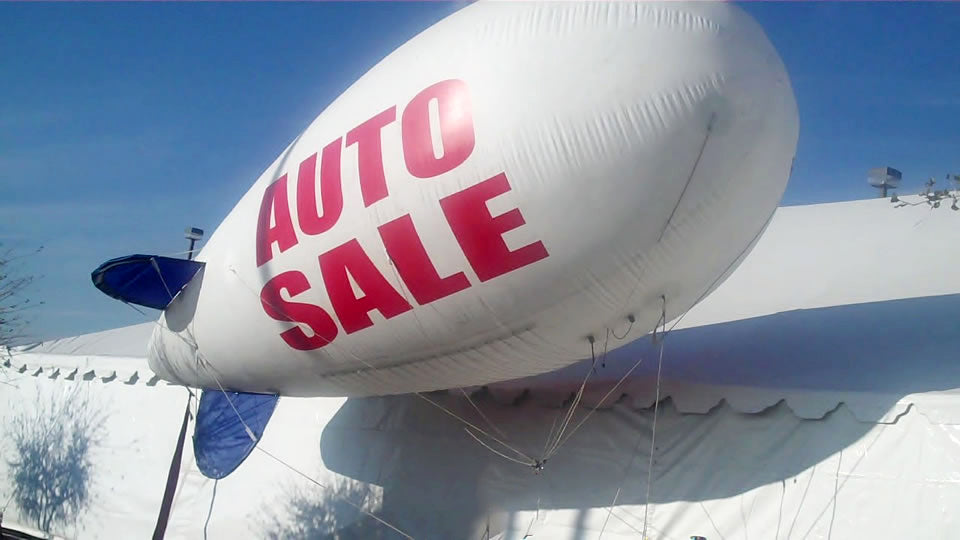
192	234
173	474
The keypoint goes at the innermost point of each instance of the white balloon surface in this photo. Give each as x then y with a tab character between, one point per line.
517	179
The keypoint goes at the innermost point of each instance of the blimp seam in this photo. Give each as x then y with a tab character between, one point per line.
432	358
476	356
646	109
647	118
472	356
653	259
693	173
498	321
638	114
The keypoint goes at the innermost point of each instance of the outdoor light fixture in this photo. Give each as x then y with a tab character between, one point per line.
192	234
884	178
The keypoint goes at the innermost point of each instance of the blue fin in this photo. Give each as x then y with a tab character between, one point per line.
220	439
146	280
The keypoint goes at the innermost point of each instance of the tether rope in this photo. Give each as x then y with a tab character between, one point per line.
287	465
156	267
577	399
653	437
480	412
403	290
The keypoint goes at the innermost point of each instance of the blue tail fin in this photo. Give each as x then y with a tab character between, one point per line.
221	440
146	280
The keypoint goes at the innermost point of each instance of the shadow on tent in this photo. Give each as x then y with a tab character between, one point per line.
438	482
50	454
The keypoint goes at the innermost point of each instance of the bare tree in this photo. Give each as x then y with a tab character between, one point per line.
13	300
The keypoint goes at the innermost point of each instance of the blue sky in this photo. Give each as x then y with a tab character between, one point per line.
121	124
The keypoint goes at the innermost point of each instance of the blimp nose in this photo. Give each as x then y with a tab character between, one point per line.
173	346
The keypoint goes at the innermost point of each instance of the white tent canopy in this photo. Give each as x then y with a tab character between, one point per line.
813	394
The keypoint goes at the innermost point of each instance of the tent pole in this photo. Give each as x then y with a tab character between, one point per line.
172	476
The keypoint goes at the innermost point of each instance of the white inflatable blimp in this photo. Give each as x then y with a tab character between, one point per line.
491	198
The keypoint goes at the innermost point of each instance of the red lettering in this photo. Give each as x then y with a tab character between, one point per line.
413	264
331	191
373	184
378	293
323	326
456	129
274	203
480	234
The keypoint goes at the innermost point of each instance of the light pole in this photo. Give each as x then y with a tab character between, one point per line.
192	234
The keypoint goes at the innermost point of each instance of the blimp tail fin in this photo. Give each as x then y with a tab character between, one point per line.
229	426
151	281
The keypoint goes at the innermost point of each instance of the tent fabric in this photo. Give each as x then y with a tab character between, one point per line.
221	439
127	341
118	355
113	444
722	474
126	370
869	356
146	280
838	254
